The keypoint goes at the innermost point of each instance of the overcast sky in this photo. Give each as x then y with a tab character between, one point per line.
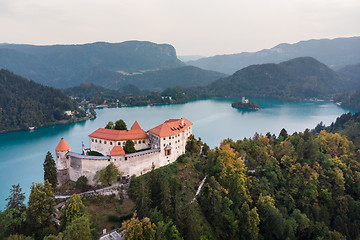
193	27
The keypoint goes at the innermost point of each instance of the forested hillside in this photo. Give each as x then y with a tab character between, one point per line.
24	103
187	76
335	53
350	72
297	79
302	186
69	65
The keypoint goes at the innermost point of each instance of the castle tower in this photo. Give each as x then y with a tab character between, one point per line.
62	161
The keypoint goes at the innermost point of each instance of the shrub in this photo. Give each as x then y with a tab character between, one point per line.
82	183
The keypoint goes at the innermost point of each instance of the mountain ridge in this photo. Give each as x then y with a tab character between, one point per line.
64	65
335	53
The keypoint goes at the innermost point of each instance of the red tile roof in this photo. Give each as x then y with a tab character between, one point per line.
62	146
110	134
117	151
136	126
171	127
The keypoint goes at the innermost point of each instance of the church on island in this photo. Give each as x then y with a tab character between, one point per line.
157	147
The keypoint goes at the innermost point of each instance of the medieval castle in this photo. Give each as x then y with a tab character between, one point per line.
157	147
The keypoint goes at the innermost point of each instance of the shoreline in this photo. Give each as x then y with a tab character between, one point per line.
50	124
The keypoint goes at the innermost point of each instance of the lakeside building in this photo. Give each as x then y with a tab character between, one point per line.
157	147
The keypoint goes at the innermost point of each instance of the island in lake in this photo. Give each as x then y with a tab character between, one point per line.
245	104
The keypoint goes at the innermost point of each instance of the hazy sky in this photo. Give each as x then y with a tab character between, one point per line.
193	27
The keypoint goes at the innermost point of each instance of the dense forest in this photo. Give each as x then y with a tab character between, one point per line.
25	104
302	186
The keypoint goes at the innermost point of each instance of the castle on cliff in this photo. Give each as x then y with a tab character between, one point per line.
157	147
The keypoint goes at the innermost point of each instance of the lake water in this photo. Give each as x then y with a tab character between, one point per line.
22	153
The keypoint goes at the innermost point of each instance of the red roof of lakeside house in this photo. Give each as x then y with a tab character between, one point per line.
171	127
110	134
117	151
62	146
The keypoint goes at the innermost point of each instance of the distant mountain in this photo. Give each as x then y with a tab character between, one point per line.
350	72
24	103
69	65
335	53
297	79
190	58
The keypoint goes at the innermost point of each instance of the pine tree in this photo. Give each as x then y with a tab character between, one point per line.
16	199
40	211
50	170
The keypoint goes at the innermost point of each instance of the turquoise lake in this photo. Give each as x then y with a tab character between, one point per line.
22	153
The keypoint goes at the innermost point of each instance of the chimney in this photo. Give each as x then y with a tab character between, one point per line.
182	122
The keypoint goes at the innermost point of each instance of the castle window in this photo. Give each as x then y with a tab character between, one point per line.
164	138
139	142
99	141
109	160
104	142
169	137
125	158
167	152
67	157
96	140
92	140
110	143
119	143
143	141
164	144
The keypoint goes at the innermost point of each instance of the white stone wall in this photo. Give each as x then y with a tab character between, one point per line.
139	165
105	146
90	167
177	142
62	161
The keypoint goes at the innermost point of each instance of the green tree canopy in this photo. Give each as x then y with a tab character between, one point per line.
82	183
120	125
78	229
73	209
136	229
110	125
129	147
16	198
19	237
108	175
50	170
40	206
